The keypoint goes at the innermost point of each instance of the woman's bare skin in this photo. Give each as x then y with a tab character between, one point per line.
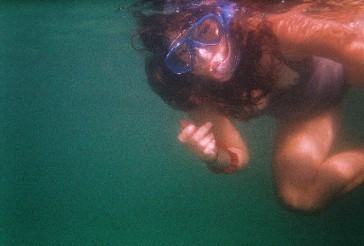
307	175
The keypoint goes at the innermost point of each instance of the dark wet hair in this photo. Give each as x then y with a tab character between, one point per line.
235	97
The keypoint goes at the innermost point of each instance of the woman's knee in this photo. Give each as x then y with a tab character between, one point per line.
295	170
299	198
294	181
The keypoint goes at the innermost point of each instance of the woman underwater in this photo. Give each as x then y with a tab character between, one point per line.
223	61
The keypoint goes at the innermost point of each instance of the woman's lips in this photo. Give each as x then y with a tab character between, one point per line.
227	67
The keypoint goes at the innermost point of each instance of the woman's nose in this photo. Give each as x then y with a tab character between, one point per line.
204	54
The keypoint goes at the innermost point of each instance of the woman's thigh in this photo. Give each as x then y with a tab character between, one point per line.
301	148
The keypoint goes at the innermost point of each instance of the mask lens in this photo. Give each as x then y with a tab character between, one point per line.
208	32
179	60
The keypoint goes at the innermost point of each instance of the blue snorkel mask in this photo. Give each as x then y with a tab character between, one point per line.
207	31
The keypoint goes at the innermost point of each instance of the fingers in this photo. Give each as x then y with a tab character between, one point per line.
210	149
200	140
184	123
207	139
201	132
186	133
194	134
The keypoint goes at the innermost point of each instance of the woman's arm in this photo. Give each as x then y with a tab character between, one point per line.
214	139
340	38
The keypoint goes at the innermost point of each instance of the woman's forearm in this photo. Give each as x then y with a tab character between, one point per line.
300	34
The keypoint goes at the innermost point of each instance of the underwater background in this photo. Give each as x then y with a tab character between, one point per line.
90	156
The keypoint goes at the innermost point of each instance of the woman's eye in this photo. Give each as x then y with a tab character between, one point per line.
207	32
182	53
204	30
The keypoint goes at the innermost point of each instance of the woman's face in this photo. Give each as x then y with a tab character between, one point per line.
217	62
204	50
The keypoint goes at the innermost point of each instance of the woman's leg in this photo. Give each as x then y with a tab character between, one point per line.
307	177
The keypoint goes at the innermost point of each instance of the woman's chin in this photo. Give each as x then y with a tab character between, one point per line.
221	73
227	68
222	77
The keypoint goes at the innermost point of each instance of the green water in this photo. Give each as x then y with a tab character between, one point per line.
89	156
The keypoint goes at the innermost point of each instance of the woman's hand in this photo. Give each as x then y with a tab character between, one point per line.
199	140
214	139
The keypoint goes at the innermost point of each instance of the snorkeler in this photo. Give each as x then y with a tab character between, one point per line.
223	61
